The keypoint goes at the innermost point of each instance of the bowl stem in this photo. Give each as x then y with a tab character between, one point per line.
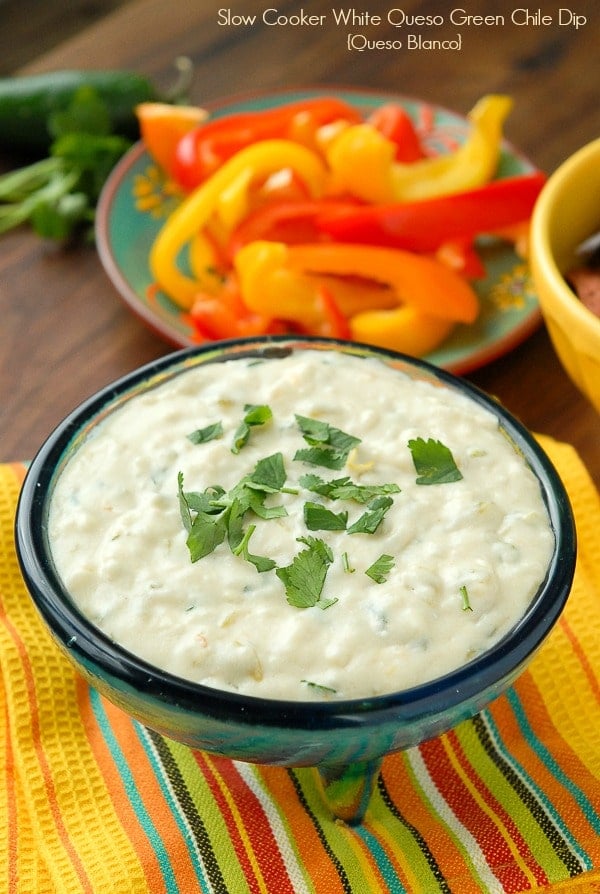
347	788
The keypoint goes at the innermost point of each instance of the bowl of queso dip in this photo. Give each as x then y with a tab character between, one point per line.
296	551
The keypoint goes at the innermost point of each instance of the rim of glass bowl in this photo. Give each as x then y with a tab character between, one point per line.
93	647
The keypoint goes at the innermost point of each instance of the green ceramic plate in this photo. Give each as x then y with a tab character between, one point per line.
135	203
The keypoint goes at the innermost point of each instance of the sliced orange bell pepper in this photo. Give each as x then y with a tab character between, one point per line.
270	287
163	125
418	280
287	281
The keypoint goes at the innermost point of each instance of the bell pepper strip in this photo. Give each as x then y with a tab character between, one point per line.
404	329
471	165
418	280
163	125
195	212
288	221
425	225
393	122
363	164
335	324
270	288
270	283
287	282
226	316
462	256
205	149
518	234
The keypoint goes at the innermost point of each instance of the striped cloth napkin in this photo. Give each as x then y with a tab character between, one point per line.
507	802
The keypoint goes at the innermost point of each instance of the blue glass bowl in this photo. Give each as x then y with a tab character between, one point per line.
345	739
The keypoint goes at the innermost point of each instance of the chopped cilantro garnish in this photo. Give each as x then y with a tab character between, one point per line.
319	686
348	568
466	602
255	414
433	462
380	568
214	514
304	578
261	563
370	520
208	433
206	533
267	477
329	446
205	503
318	518
345	489
269	474
321	456
235	524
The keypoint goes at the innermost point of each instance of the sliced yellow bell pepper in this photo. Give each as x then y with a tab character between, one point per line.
188	220
282	280
362	160
404	329
269	285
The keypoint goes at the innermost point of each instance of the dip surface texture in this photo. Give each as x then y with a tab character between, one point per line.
453	565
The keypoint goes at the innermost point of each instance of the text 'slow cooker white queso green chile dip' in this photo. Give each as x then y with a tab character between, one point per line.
314	526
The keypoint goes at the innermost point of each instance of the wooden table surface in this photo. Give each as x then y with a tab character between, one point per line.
65	332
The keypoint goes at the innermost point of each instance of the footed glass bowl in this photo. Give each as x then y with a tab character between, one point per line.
345	740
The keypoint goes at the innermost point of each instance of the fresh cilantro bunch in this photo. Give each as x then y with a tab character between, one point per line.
57	196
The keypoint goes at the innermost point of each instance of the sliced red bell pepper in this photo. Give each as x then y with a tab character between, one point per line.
395	124
226	316
462	256
335	324
291	222
203	150
425	225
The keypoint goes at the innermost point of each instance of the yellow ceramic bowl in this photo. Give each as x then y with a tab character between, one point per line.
566	213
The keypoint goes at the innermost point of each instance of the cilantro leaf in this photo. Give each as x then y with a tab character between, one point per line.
256	502
346	489
184	506
329	446
267	477
370	520
206	533
380	568
322	456
433	462
269	474
318	518
235	525
261	563
256	414
208	433
304	578
87	112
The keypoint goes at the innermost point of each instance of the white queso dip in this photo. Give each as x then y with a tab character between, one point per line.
307	527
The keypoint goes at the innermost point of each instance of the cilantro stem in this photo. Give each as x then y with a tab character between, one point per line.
466	602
